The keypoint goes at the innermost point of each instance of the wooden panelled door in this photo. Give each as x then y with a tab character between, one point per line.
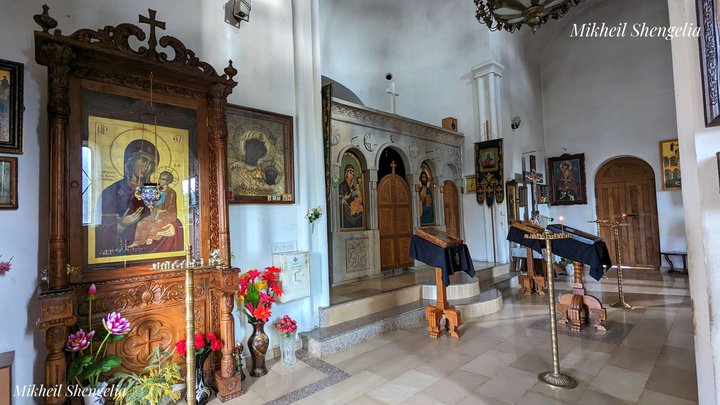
452	208
627	185
395	220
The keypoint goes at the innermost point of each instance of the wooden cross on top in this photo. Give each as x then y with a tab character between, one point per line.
152	22
393	166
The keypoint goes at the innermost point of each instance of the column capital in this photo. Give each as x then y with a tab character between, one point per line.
486	68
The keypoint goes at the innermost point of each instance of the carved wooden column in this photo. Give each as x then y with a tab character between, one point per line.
217	128
56	315
227	379
57	58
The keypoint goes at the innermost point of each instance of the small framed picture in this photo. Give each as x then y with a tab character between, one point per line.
8	183
11	106
470	184
670	165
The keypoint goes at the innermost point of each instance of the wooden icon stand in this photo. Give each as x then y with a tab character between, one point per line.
578	305
435	313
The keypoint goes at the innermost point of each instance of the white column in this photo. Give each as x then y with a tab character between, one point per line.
371	200
310	177
440	202
487	77
701	201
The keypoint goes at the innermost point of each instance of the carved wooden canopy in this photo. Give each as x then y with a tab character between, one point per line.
107	61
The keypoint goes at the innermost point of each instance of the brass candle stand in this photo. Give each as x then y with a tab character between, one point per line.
553	378
190	265
189	326
616	225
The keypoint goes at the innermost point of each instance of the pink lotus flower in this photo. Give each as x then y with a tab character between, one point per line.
92	290
79	340
116	324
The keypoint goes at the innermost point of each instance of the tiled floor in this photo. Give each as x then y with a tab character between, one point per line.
498	358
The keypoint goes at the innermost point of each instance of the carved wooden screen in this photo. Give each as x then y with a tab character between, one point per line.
108	132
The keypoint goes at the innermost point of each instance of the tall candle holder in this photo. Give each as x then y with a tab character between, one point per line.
190	325
616	225
553	378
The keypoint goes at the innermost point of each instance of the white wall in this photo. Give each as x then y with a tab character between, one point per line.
610	97
278	63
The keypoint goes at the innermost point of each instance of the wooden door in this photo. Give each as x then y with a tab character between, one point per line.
452	208
627	185
395	219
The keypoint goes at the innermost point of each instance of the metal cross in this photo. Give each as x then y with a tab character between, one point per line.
152	22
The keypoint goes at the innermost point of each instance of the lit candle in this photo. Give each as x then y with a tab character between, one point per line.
562	226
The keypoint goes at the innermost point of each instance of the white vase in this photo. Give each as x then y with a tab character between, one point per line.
181	388
95	395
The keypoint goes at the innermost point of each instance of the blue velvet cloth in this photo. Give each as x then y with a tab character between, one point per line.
450	260
594	255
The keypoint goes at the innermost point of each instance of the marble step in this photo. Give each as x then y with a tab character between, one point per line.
347	311
323	341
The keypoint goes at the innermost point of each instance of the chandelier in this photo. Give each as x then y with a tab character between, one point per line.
510	15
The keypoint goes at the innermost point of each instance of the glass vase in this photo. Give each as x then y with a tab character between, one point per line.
287	348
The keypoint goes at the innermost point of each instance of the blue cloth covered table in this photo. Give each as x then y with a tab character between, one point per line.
450	260
594	255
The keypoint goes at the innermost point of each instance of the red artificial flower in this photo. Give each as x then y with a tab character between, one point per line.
252	274
262	313
211	336
215	344
265	298
199	341
269	277
277	289
272	269
181	347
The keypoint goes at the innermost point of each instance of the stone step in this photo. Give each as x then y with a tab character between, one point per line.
347	311
323	341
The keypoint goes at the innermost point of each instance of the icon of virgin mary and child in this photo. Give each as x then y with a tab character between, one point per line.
127	225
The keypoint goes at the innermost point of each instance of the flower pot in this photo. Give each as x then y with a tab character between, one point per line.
181	388
95	395
258	343
287	348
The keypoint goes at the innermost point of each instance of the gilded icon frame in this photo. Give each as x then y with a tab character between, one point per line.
256	178
11	121
8	183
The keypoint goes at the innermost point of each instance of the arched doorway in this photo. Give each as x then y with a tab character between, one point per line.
627	185
451	203
394	214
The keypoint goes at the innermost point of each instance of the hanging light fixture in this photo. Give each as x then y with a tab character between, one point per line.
511	15
149	193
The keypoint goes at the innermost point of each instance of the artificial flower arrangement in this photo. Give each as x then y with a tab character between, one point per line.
90	360
203	344
313	215
161	381
5	266
257	293
286	326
